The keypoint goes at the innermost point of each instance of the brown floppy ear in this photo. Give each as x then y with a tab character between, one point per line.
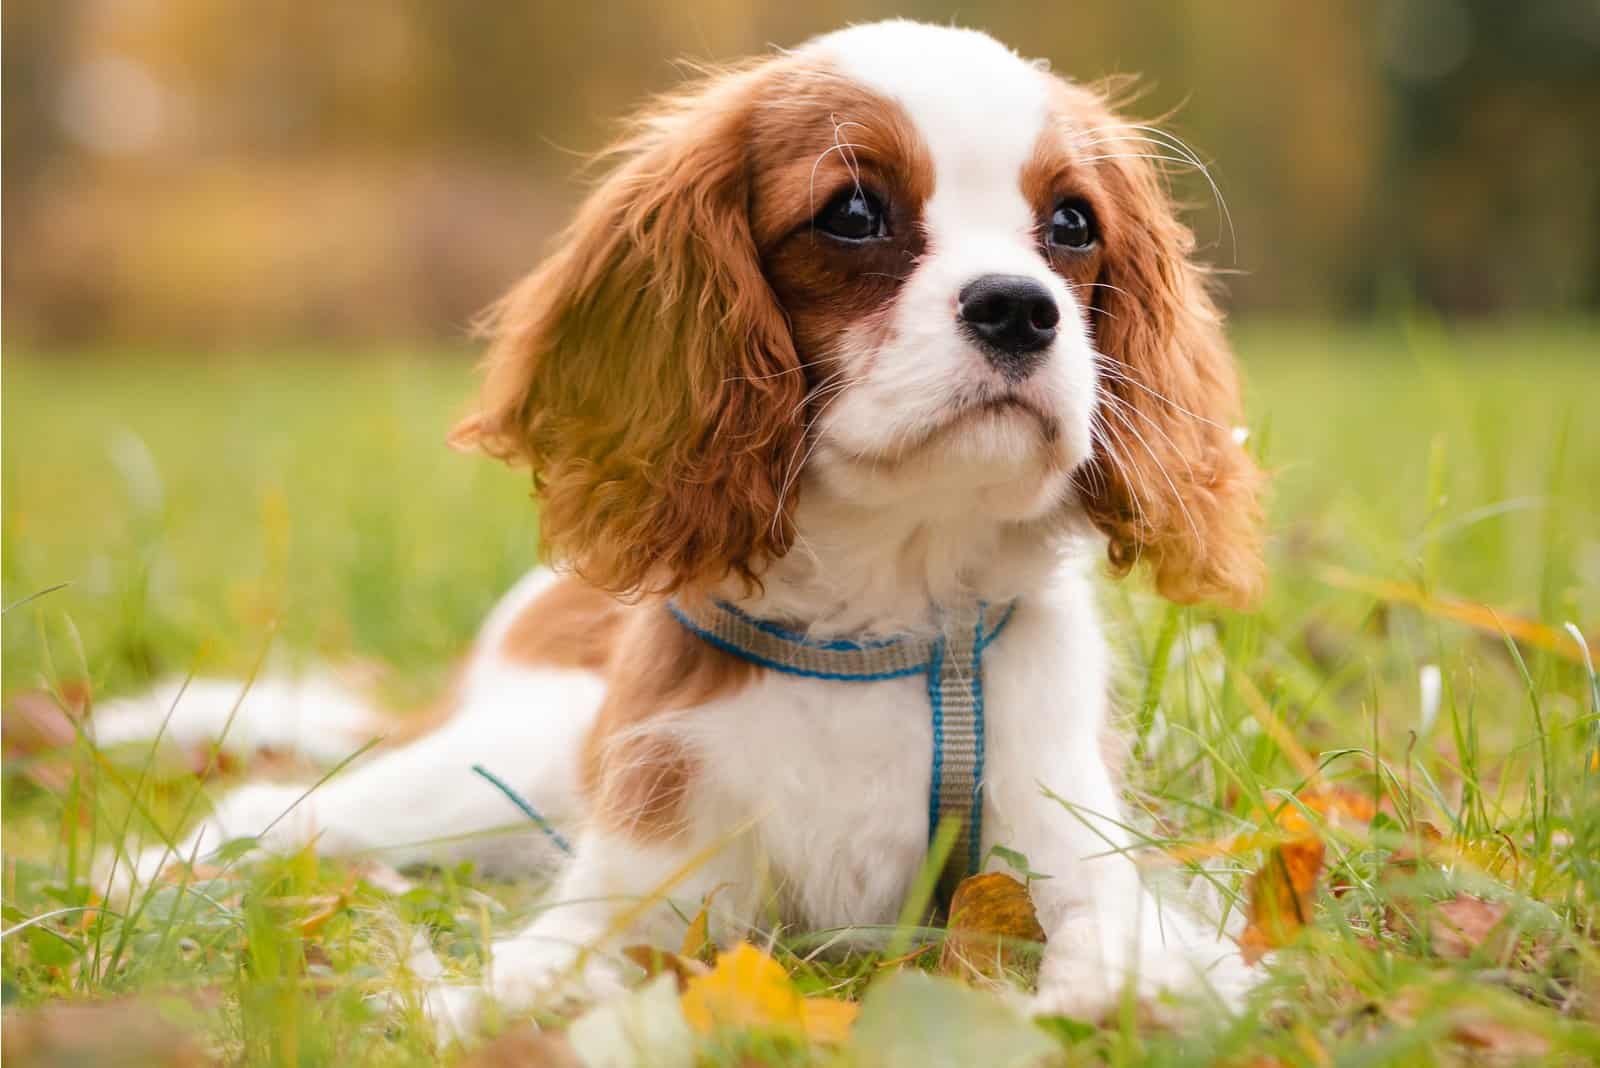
645	372
1169	483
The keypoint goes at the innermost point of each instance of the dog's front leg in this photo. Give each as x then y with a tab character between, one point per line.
1049	793
1107	933
616	892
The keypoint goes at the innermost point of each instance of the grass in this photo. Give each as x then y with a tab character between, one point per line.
289	507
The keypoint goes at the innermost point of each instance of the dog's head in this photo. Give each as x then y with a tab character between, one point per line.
899	262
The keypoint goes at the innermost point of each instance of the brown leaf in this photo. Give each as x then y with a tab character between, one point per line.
1470	1027
131	1031
656	961
991	922
1492	1036
1459	927
39	729
1281	895
1339	806
524	1046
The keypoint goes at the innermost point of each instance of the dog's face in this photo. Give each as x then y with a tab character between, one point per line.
932	248
900	264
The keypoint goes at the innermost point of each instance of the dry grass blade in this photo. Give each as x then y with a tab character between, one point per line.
1459	610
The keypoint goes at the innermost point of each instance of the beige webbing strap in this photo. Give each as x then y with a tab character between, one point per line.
952	664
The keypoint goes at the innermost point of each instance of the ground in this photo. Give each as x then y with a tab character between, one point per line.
1407	707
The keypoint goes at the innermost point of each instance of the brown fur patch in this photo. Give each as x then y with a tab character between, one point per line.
572	624
1167	483
644	372
636	781
816	136
655	372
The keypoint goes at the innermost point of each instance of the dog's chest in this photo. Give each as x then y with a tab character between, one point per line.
835	776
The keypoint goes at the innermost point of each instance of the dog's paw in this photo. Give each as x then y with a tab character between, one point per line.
1086	977
531	970
525	972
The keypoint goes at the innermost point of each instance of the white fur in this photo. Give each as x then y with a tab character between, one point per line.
810	797
980	111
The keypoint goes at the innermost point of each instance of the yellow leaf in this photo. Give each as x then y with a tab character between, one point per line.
697	944
1281	894
828	1020
327	908
748	989
1339	806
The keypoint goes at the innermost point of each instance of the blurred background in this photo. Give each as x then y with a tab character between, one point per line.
206	175
244	244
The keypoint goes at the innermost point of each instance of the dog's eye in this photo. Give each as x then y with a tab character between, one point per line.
1072	226
855	215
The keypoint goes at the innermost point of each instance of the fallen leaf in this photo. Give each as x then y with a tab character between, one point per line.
1469	1026
828	1020
1281	896
697	942
992	927
1339	806
123	1031
524	1046
910	1019
662	962
39	730
1282	892
1463	925
748	989
1495	1037
329	907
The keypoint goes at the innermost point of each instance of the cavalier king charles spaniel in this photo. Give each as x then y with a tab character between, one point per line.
832	393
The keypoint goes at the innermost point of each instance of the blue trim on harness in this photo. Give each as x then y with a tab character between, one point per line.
932	668
836	644
788	669
979	642
936	703
982	640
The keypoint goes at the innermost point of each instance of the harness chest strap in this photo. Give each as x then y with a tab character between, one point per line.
952	664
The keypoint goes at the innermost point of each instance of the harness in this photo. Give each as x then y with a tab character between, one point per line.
952	663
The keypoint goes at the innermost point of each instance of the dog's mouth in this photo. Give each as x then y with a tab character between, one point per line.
1007	410
1008	405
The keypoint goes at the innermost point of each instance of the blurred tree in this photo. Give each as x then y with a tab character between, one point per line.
210	171
1492	166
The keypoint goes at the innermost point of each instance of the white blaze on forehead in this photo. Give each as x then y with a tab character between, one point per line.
978	106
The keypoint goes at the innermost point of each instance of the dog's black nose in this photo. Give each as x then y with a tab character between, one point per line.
1013	317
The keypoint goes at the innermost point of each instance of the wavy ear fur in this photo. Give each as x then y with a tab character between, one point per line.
1168	483
645	372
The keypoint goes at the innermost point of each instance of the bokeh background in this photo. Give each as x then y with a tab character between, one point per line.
215	174
244	245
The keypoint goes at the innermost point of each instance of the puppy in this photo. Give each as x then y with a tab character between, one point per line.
833	394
